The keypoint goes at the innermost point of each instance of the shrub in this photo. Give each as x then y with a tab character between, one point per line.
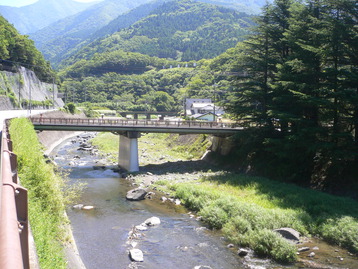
214	215
268	243
343	230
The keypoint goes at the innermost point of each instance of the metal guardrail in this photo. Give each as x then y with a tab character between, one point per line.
135	122
14	250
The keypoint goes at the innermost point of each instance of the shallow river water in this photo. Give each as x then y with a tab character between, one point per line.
101	234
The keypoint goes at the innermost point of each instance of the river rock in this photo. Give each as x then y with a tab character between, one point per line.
88	207
152	221
136	255
311	255
289	234
242	252
79	206
141	227
303	249
136	194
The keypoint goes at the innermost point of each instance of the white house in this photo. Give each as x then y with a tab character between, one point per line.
202	109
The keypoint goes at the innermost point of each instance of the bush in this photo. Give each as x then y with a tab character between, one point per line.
268	243
342	230
71	108
214	215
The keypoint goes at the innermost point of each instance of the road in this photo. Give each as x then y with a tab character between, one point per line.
8	114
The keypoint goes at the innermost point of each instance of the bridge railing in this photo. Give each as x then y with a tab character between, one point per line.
14	252
134	122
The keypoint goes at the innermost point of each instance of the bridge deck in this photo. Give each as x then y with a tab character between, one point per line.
145	126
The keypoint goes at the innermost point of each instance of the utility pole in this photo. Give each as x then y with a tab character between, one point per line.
53	92
18	69
215	85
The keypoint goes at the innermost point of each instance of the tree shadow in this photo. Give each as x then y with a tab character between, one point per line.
181	167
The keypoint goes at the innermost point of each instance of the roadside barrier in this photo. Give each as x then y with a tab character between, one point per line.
14	250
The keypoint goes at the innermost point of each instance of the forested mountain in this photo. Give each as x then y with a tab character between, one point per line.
30	18
62	36
248	6
17	49
181	30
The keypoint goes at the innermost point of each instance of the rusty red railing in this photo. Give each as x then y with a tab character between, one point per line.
135	122
14	250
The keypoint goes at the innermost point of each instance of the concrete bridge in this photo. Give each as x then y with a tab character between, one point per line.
130	130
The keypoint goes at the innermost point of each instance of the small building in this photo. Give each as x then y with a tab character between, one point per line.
202	109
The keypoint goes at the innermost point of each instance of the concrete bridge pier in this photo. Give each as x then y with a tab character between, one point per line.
128	151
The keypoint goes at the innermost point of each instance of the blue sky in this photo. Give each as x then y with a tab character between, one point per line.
19	3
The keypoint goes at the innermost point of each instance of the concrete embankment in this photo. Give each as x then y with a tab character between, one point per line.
51	139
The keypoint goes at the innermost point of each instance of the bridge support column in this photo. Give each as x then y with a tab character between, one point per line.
128	151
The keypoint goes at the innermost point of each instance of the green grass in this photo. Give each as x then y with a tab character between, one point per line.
46	201
247	209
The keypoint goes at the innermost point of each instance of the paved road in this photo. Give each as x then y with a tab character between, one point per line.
8	114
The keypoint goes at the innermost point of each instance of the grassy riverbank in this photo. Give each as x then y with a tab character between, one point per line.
247	209
45	194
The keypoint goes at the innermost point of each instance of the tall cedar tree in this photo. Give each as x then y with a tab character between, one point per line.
301	82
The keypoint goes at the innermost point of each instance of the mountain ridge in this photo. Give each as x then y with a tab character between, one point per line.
30	18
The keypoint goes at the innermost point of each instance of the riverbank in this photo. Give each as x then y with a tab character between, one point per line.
55	246
247	209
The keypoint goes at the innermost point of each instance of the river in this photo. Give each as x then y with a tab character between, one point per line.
102	234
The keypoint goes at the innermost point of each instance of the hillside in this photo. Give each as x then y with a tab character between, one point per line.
180	30
18	84
64	35
30	18
17	49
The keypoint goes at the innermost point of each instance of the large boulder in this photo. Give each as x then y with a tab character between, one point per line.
289	234
136	194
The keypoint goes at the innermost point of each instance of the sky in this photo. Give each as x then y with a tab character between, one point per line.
19	3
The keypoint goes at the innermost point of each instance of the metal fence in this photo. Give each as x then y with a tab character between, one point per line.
14	250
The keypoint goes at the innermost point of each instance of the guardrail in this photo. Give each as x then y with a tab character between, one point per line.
135	122
14	250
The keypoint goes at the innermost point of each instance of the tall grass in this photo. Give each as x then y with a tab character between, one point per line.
46	207
248	209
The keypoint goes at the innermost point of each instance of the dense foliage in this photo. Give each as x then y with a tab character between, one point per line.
59	39
16	50
299	89
180	30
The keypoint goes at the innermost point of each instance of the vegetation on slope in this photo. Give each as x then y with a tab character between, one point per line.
45	194
16	50
181	30
61	37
